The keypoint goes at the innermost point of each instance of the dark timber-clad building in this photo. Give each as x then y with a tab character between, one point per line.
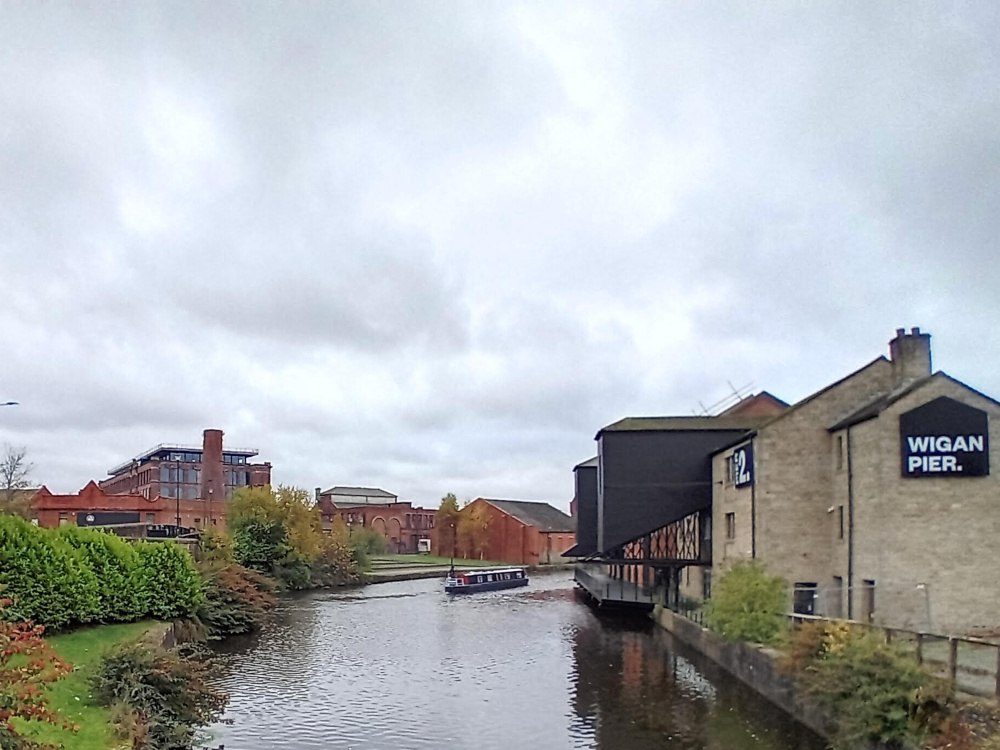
653	509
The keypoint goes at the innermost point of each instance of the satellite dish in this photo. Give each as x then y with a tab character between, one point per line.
90	519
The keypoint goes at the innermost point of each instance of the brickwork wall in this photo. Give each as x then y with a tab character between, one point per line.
795	479
49	508
931	545
401	524
728	498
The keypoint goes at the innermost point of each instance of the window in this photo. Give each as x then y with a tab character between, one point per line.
197	521
191	476
804	599
730	477
840	522
868	600
150	518
730	525
63	519
840	452
190	493
164	473
214	520
176	456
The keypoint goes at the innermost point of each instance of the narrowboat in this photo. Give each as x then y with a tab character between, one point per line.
471	581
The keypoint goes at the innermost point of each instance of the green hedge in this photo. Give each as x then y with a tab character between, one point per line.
117	566
49	581
74	576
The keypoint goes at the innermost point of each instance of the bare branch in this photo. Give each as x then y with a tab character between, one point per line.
15	471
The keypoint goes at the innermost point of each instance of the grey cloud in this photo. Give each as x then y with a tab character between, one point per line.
437	246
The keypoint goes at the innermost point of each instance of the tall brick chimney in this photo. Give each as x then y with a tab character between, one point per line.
910	354
213	485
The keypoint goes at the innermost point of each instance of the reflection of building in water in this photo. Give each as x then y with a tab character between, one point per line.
640	689
873	498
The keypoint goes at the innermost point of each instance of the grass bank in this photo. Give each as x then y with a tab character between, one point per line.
70	696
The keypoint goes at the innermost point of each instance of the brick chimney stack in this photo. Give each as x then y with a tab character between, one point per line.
910	354
213	485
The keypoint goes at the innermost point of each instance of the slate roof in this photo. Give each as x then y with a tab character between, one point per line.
589	462
671	424
363	491
540	515
879	404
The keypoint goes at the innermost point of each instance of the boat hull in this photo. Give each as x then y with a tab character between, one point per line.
472	588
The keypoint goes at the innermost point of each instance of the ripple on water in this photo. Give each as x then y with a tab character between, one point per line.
402	665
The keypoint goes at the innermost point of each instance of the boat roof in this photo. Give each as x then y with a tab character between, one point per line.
488	570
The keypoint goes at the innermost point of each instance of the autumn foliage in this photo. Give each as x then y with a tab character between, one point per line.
27	664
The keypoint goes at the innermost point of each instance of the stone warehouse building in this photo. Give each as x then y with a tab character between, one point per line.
873	498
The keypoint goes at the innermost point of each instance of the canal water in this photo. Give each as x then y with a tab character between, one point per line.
402	665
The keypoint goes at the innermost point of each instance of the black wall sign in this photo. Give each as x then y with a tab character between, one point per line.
743	465
100	518
945	438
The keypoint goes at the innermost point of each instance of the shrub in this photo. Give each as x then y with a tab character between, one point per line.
171	585
748	605
873	691
159	700
336	565
259	544
27	664
367	541
49	581
116	565
237	600
216	547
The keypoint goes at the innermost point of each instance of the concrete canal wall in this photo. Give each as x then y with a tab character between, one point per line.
754	665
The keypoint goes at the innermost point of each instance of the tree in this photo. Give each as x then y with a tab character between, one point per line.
280	533
446	522
14	472
474	529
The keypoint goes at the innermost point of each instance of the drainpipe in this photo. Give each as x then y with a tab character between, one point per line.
850	529
753	503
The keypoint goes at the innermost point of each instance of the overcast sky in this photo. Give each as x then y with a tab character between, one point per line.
435	246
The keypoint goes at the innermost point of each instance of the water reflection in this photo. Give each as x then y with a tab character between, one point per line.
403	666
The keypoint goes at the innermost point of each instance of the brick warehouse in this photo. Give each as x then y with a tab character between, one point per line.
93	506
873	498
402	525
189	472
523	532
164	482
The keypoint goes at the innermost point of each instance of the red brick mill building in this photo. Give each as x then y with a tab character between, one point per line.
402	525
522	532
160	485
